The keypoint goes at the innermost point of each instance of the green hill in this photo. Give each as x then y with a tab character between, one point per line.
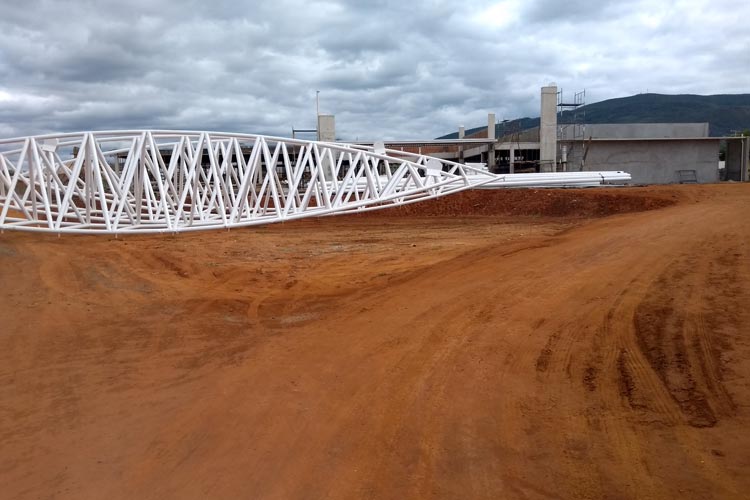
725	113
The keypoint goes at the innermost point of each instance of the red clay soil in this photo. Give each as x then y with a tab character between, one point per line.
541	202
475	354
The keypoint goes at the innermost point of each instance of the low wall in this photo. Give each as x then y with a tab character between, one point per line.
654	161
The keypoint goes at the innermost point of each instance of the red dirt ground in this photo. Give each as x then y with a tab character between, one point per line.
495	344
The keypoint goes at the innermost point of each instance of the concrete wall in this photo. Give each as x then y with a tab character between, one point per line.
656	162
738	152
641	131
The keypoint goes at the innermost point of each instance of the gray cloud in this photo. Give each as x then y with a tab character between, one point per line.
387	69
572	11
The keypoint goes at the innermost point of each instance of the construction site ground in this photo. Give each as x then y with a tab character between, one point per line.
529	344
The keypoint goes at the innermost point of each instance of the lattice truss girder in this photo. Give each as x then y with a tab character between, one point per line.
154	181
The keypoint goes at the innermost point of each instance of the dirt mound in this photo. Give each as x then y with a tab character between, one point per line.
541	202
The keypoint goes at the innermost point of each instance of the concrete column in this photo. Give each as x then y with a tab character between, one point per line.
327	128
512	159
491	164
327	133
461	135
548	129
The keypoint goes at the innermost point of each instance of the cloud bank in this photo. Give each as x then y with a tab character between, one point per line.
386	69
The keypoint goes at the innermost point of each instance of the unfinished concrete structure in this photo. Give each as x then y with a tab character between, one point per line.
653	153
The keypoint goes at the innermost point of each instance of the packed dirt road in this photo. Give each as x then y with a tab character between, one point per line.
486	351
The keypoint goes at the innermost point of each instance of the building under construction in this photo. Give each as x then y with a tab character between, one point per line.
653	153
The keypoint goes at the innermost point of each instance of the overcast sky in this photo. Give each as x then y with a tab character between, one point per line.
386	69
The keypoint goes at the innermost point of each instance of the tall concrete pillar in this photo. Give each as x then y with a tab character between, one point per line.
327	133
327	128
461	135
548	129
491	163
512	153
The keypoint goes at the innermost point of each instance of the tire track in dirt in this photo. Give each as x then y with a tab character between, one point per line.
614	378
668	328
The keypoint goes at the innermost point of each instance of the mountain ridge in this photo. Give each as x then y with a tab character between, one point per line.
725	113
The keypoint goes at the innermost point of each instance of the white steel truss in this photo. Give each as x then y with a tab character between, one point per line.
166	181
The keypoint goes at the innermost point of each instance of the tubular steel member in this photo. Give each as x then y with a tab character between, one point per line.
143	181
165	181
